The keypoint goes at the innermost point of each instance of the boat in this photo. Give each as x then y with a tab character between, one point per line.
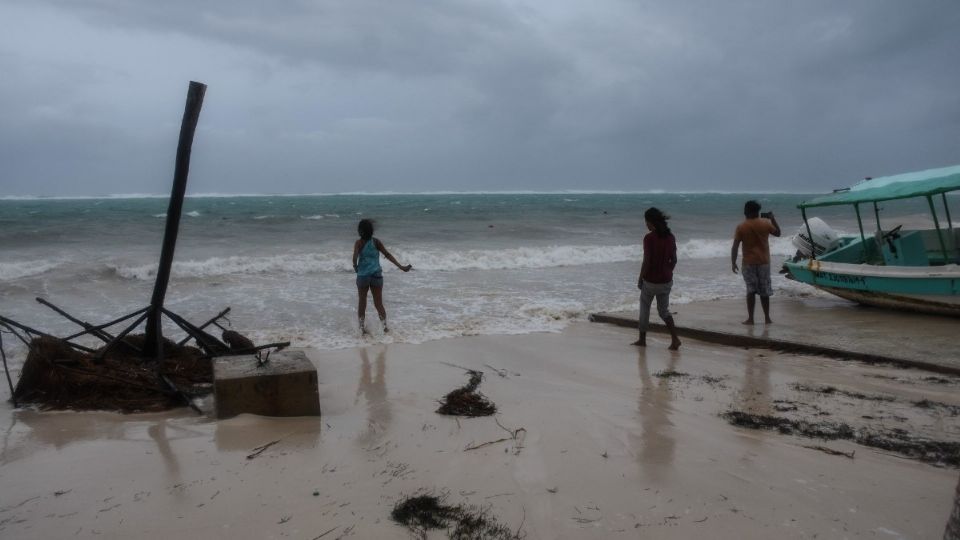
914	270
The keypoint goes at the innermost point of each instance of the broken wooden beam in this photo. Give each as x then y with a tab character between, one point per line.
210	344
219	316
106	348
10	323
108	324
92	330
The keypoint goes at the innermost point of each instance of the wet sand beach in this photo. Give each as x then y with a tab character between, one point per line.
617	442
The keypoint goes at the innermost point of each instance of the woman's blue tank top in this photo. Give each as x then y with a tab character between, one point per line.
368	263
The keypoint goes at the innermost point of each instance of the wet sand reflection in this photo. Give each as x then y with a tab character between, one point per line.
754	395
656	442
373	387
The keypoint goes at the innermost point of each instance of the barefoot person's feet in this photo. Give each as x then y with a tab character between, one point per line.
674	345
639	343
748	322
768	321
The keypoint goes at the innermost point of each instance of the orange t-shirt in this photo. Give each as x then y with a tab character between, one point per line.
753	234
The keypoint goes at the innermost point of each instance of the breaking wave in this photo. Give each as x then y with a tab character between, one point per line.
17	270
436	260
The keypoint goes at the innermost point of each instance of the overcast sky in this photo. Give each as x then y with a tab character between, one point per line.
325	96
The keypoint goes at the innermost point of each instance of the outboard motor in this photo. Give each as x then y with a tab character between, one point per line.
824	238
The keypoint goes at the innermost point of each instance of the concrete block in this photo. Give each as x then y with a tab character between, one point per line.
286	385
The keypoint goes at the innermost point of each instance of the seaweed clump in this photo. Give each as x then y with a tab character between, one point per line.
421	513
56	376
894	440
670	374
467	401
826	389
953	410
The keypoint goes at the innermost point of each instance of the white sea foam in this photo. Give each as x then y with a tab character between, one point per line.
17	270
548	315
697	248
224	266
267	216
193	214
438	260
515	258
318	216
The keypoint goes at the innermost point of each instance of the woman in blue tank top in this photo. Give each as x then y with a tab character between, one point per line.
366	263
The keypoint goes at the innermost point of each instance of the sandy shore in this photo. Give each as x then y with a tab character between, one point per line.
611	449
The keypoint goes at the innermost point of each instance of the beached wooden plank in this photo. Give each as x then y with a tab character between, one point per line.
286	385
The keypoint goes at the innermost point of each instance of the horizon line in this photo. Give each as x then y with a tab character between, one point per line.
216	195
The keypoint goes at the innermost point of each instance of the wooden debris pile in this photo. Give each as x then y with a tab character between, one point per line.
146	372
61	374
56	376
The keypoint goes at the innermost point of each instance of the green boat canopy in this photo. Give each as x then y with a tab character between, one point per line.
887	188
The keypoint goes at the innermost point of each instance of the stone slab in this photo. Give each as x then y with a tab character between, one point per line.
819	325
286	385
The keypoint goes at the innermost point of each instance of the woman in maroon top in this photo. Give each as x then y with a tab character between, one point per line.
656	275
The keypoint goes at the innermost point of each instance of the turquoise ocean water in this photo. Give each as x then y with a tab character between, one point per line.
483	263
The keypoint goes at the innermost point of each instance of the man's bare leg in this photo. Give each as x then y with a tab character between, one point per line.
751	304
765	304
642	342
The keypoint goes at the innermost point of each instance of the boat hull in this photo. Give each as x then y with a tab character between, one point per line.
922	289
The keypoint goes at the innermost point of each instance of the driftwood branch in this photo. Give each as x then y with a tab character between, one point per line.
260	449
832	452
498	371
514	436
468	370
488	443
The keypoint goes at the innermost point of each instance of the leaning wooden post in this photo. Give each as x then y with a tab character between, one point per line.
153	345
6	370
952	531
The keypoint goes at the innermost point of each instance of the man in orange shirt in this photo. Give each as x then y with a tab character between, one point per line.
753	233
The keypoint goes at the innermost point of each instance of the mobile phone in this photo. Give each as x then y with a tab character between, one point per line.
766	214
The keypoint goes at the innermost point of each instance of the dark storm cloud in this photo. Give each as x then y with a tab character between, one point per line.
462	95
